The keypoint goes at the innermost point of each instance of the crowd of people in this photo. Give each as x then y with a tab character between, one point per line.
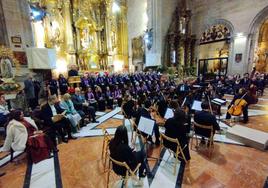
139	95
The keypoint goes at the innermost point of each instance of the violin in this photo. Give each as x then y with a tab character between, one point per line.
237	108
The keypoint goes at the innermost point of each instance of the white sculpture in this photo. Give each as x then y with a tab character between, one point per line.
6	68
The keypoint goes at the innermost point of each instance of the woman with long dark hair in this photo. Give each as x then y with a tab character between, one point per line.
22	133
121	151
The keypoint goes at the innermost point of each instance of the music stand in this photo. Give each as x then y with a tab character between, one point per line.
219	103
146	126
196	105
169	113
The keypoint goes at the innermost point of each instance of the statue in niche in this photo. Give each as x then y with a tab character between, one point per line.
262	60
6	68
54	28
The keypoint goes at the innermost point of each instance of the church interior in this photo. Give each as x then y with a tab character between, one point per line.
133	93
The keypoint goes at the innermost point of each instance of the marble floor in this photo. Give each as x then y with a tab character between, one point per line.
78	163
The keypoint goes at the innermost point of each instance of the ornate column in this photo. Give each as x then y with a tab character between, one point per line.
69	41
68	31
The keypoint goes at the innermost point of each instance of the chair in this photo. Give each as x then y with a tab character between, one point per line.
129	172
124	115
105	146
179	149
137	132
207	128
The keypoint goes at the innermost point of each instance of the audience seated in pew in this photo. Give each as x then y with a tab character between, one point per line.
23	134
70	112
55	119
4	111
83	107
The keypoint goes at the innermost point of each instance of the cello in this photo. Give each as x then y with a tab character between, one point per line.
237	108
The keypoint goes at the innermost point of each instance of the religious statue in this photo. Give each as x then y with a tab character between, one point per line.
6	68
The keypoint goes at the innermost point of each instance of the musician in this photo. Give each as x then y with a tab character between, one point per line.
175	128
241	94
128	106
183	88
205	117
145	112
120	151
48	113
162	104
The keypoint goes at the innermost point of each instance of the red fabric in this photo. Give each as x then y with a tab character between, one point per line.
71	90
29	127
38	148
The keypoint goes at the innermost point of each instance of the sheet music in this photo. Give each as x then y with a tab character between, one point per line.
146	125
197	105
169	113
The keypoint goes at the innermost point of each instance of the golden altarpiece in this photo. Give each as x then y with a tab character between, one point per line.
89	33
261	51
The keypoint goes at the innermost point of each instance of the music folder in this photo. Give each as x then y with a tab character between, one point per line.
169	113
197	105
146	125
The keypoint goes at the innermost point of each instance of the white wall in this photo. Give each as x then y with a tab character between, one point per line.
159	13
239	13
137	22
16	14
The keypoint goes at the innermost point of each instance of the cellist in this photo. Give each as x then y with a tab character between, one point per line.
242	94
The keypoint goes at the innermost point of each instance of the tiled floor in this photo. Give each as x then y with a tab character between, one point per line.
80	163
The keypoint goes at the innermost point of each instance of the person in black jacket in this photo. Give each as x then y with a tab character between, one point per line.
63	84
128	106
82	106
145	112
246	97
175	128
48	113
204	117
53	86
120	151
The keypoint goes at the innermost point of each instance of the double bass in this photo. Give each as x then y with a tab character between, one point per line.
237	108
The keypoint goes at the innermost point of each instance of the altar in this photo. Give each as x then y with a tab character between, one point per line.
90	34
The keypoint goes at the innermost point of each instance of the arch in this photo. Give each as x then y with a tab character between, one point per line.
224	22
253	31
258	20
